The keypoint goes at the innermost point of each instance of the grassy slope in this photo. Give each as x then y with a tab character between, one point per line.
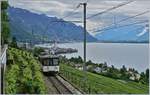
108	85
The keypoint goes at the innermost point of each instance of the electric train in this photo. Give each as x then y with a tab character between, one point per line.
50	63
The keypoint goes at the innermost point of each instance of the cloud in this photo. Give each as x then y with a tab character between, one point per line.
145	30
61	8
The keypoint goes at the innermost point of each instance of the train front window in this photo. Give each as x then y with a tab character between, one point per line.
45	63
50	63
55	62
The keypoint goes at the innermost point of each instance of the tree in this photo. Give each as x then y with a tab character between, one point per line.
80	59
105	65
5	34
142	78
147	75
4	5
37	51
123	69
123	72
14	43
112	66
89	62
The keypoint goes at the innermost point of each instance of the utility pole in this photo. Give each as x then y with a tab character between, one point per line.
84	24
84	18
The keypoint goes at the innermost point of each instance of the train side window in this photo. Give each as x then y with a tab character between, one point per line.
55	62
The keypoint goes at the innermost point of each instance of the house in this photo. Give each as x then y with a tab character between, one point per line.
134	76
100	70
89	67
24	45
78	66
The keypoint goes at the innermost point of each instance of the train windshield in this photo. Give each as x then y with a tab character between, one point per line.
46	62
55	62
51	62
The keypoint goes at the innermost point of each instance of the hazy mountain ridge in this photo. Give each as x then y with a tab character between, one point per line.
133	33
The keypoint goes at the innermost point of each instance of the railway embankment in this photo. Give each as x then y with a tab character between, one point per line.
57	85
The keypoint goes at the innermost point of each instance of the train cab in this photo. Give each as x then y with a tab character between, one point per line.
50	64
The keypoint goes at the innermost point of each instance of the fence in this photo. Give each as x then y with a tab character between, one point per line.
3	60
80	82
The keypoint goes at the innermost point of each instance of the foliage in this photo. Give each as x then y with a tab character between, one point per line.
4	5
113	73
4	25
23	75
110	71
97	84
4	16
37	51
145	77
14	43
11	79
5	32
76	60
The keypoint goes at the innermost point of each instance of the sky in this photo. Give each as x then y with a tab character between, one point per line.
62	8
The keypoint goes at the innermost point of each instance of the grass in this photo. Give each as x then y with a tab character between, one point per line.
97	84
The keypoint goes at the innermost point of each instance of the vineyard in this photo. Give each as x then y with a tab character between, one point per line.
97	84
23	73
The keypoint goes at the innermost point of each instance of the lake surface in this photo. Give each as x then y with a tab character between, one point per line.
117	54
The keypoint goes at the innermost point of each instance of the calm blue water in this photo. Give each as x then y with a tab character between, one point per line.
117	54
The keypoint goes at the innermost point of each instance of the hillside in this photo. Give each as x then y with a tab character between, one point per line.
26	26
97	84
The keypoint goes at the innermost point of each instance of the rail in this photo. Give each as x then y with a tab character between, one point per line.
59	86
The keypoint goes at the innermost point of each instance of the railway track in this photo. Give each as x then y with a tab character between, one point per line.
59	86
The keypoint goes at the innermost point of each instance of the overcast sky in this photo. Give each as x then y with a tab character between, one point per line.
61	8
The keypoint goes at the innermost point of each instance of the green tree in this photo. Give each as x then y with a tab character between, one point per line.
89	62
80	59
37	51
5	34
4	5
142	78
14	43
123	69
123	72
147	75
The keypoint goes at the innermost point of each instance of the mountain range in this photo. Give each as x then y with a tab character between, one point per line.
132	30
29	26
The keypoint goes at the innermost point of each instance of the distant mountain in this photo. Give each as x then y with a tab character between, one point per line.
134	33
28	26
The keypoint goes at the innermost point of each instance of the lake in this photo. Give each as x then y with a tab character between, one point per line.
117	54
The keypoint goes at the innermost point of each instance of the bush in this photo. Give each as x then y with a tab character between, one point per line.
24	75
